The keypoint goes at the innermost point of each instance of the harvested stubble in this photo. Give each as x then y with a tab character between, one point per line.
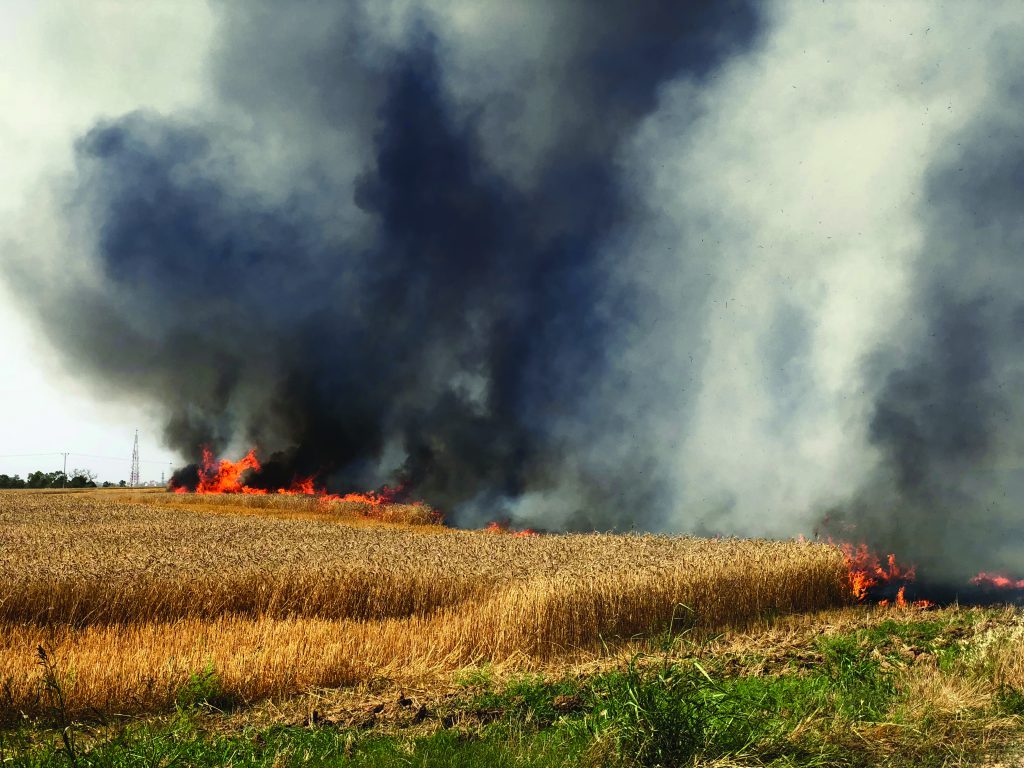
136	597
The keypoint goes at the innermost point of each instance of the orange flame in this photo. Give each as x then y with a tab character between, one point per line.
225	476
867	571
996	581
303	487
385	495
495	527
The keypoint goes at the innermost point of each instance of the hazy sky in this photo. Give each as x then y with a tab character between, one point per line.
62	66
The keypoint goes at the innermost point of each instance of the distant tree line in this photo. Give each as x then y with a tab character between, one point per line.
78	478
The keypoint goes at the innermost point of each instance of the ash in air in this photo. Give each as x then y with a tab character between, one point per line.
734	267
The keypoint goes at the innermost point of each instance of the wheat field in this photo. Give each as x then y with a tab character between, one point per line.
133	594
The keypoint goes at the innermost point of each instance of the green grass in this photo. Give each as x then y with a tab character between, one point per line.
203	689
857	686
667	716
532	700
180	744
1010	701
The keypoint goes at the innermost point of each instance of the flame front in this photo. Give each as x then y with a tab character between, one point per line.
870	578
230	477
866	572
868	575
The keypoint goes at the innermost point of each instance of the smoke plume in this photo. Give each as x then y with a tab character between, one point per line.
948	411
377	254
722	267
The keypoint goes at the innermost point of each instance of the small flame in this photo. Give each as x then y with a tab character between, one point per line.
996	581
303	487
385	495
496	527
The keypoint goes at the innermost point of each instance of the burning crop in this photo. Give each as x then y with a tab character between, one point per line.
213	477
996	581
875	581
887	582
495	304
224	476
496	526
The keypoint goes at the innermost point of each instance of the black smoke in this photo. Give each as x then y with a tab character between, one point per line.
332	265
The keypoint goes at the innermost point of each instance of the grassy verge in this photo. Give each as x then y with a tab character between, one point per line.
853	690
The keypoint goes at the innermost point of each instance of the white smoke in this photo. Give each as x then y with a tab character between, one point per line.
784	200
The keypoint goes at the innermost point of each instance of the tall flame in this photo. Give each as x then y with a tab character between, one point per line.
225	476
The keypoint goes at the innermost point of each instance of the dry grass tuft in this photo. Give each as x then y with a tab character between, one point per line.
998	650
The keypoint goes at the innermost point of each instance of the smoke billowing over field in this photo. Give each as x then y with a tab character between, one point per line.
742	268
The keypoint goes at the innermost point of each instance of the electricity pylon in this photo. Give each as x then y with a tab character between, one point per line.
134	479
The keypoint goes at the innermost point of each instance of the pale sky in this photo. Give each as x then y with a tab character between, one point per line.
63	65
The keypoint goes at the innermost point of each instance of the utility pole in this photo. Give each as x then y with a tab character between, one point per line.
134	479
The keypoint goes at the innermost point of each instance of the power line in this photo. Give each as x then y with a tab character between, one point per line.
116	458
76	453
135	475
27	455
